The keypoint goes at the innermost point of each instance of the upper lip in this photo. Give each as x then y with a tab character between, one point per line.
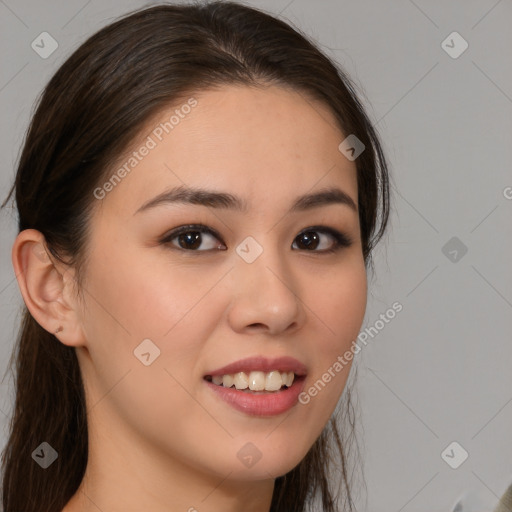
262	364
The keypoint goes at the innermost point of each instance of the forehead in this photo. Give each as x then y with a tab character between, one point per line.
263	144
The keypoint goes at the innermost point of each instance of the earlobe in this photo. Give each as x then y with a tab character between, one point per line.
42	283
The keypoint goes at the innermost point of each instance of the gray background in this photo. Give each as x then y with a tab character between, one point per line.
440	371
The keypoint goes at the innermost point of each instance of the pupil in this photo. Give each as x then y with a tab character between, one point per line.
310	238
193	236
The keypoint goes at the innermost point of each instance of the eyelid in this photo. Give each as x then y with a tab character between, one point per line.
191	227
343	239
171	235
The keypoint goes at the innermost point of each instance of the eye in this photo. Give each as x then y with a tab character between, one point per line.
191	237
310	239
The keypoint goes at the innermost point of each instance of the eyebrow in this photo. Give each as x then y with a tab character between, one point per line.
215	199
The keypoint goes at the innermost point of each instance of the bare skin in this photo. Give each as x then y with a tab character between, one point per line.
159	438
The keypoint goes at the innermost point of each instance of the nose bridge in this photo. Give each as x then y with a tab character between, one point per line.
265	290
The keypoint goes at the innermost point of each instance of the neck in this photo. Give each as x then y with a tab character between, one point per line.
126	473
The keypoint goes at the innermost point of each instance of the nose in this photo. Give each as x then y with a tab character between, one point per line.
265	295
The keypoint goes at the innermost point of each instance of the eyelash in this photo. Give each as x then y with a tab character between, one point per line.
341	240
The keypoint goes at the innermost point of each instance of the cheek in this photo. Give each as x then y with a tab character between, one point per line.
339	309
146	300
340	306
175	308
157	400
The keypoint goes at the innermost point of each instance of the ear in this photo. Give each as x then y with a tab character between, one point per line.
47	288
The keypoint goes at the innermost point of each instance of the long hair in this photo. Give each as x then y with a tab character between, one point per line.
90	111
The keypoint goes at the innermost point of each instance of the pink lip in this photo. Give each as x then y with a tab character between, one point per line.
263	403
262	364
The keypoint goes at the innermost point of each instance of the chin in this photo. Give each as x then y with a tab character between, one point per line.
262	471
271	460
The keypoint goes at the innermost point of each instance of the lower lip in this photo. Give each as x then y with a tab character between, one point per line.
263	404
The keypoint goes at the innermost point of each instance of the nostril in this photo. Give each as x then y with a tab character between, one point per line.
258	325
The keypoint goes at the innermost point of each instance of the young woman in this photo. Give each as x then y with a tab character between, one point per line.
199	194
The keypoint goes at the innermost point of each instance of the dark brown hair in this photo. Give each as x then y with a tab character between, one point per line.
89	113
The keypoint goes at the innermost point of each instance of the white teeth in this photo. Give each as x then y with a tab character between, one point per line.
287	378
241	380
227	381
273	381
218	379
255	380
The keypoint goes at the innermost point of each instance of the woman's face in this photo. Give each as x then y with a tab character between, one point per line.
164	313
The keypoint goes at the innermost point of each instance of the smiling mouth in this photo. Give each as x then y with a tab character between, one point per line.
255	381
